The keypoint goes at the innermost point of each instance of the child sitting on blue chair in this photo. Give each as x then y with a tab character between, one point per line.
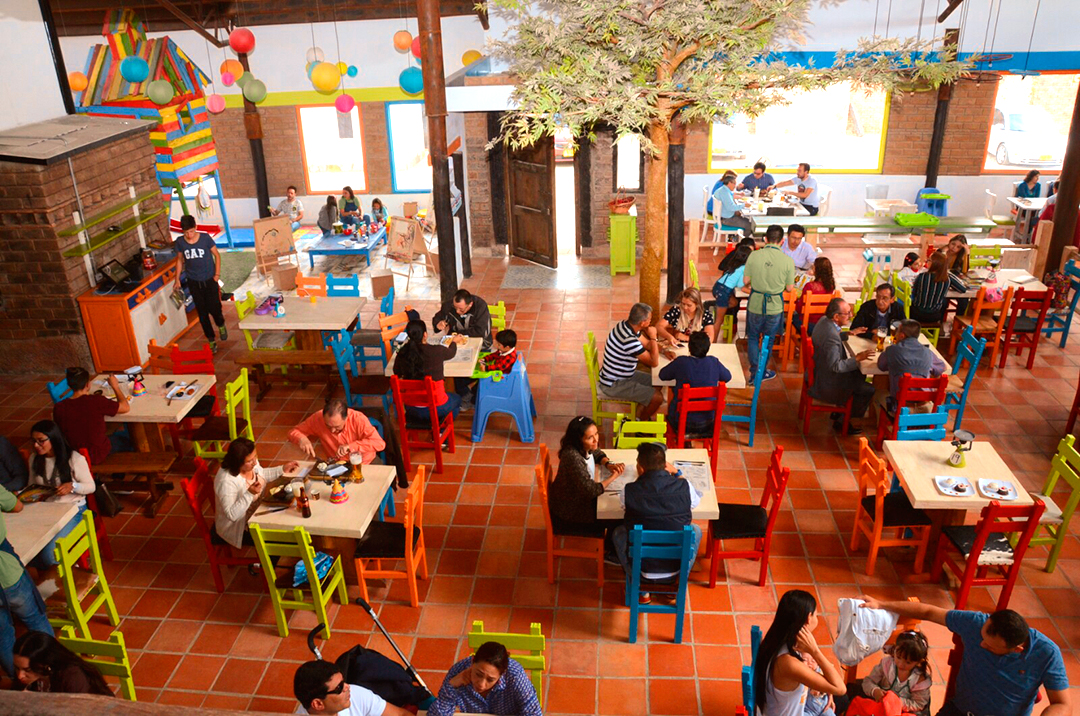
502	358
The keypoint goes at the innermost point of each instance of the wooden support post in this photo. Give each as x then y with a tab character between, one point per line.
253	129
675	229
941	116
463	219
583	193
1066	209
1042	247
500	216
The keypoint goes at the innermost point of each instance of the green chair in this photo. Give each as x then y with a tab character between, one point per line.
83	592
980	256
592	364
262	340
498	317
693	275
1053	526
108	657
869	283
533	662
295	544
631	433
902	289
211	439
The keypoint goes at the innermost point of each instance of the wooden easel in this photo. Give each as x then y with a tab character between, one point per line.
404	243
273	242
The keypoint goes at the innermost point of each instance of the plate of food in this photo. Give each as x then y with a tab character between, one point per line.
182	391
993	489
954	486
334	468
279	495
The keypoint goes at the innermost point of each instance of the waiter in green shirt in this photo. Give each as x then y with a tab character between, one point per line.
18	595
768	273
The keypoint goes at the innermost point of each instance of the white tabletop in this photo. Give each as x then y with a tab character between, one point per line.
30	530
987	241
461	365
608	506
918	462
726	353
858	344
1033	204
325	314
349	519
1005	278
152	406
748	206
883	207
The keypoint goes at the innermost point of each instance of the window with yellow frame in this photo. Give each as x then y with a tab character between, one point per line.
839	129
1031	122
332	149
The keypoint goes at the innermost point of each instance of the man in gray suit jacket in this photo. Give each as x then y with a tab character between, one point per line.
836	376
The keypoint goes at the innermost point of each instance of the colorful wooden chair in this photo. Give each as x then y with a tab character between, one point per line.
807	404
430	433
969	351
748	397
307	286
387	507
1054	524
921	426
902	291
987	319
343	286
198	491
498	317
1061	321
631	433
534	662
509	394
698	401
790	334
84	592
110	657
748	672
390	327
557	531
262	340
1025	324
348	368
59	390
981	256
813	308
592	366
676	546
396	541
211	439
912	390
869	285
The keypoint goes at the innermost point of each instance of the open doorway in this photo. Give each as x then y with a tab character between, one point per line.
565	204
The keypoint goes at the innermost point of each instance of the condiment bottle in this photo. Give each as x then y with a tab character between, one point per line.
303	503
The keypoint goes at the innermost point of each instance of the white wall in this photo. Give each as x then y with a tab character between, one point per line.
29	89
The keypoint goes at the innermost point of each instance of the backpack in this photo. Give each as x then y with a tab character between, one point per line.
381	675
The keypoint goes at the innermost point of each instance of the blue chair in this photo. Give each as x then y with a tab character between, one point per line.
738	398
347	286
345	356
969	350
387	506
509	394
658	544
59	391
748	671
921	426
365	339
934	207
1062	322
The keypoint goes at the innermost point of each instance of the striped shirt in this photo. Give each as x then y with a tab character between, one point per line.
928	296
620	354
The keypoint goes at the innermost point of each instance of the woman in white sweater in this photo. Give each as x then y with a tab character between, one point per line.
54	464
239	487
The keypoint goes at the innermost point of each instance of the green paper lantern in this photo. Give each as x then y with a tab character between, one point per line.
160	92
243	79
255	91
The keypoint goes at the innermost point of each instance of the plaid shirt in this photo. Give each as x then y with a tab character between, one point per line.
512	695
499	361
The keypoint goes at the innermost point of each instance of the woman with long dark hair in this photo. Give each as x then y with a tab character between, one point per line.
54	464
929	292
350	207
44	664
417	359
823	283
239	487
781	676
1030	187
572	494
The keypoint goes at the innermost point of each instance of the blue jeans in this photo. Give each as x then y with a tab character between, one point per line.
452	405
620	540
758	325
120	441
295	225
349	221
47	556
20	600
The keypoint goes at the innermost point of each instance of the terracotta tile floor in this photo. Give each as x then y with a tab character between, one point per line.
485	535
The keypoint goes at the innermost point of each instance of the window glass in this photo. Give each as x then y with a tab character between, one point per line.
410	165
628	163
333	149
1030	122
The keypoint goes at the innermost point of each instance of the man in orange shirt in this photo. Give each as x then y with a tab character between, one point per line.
340	431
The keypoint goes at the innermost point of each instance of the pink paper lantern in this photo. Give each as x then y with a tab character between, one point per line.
215	104
344	103
228	78
416	46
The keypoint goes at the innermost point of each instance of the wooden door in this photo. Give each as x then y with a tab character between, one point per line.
530	191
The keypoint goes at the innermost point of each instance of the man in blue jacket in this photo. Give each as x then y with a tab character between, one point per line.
698	370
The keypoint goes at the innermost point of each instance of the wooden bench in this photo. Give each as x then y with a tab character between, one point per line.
314	367
138	472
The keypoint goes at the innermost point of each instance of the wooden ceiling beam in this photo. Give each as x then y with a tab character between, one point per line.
953	4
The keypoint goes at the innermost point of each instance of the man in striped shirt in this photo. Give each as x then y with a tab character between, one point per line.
631	341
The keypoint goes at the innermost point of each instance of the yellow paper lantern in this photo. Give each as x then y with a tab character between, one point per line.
342	68
325	77
470	57
402	40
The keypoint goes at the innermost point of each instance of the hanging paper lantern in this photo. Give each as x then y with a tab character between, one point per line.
470	57
242	40
314	54
344	103
160	92
352	71
255	91
415	47
215	104
228	79
134	69
243	79
402	40
325	77
233	67
342	68
411	80
77	81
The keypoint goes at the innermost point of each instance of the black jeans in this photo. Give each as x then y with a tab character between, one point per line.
207	298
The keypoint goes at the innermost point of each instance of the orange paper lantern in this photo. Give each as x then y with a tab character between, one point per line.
77	81
402	40
233	67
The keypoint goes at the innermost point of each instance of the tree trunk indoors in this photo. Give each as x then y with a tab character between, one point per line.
655	219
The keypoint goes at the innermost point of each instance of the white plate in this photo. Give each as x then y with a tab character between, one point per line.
947	485
988	488
179	392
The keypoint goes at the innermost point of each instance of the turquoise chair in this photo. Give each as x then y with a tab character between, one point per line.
345	356
748	671
347	286
59	391
970	351
365	339
921	426
387	506
509	394
735	401
658	544
1062	322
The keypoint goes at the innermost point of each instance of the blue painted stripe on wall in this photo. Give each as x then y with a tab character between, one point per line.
1034	61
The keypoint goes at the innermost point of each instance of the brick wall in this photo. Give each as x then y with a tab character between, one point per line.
40	323
481	230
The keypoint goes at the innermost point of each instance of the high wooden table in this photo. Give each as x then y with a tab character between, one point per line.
1005	279
152	409
30	530
857	344
1027	210
726	353
461	365
308	318
608	506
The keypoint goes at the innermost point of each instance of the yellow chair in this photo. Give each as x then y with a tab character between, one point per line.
980	256
1055	520
592	365
83	591
498	317
631	433
295	544
533	662
108	657
693	275
212	437
263	340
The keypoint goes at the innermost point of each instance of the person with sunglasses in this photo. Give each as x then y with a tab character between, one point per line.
55	465
320	687
340	431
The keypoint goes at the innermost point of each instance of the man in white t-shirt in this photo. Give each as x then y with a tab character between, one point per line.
320	688
805	188
291	207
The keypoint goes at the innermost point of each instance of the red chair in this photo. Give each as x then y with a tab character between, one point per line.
698	400
415	433
754	522
1023	330
912	390
986	545
806	403
199	492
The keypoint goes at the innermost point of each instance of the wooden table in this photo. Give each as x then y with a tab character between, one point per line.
918	462
152	410
30	530
858	344
308	318
1005	278
608	506
1027	210
726	353
748	207
461	365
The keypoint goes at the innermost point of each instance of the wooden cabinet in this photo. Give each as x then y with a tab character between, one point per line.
622	232
120	325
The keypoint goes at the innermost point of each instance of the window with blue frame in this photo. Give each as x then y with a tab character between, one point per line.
410	163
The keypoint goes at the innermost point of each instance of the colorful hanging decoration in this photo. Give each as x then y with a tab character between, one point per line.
402	40
411	80
255	91
325	77
215	104
242	40
344	103
315	54
415	47
470	57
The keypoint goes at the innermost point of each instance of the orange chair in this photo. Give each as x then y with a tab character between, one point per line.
199	492
987	545
812	308
1023	330
882	510
754	522
395	541
806	403
699	400
912	390
390	327
560	530
786	349
161	361
414	433
307	286
987	319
